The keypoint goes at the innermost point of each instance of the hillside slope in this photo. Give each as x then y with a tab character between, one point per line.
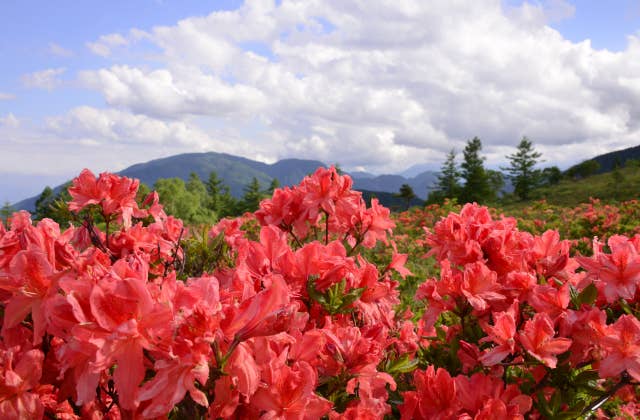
621	185
608	161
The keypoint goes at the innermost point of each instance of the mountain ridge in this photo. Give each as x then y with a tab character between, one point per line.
237	172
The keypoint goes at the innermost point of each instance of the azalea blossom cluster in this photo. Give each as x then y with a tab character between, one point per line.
523	306
99	319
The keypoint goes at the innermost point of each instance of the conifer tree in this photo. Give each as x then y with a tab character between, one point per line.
521	170
476	181
252	196
43	204
272	187
448	184
220	199
407	194
5	212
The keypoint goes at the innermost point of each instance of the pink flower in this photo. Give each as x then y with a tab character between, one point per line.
19	376
288	393
622	343
537	339
32	270
123	306
480	286
434	397
503	334
114	194
617	274
255	314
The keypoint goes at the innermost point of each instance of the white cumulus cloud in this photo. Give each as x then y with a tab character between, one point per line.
44	79
106	43
379	84
9	121
58	50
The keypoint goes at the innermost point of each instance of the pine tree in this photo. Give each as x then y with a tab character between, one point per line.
220	199
496	183
407	194
448	185
476	181
252	196
272	187
43	204
521	170
5	212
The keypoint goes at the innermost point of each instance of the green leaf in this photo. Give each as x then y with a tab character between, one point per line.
543	406
586	378
625	307
588	295
402	365
556	401
334	300
313	292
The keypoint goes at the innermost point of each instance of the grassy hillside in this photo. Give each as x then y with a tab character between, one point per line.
613	186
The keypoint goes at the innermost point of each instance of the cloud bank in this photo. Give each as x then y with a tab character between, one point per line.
380	85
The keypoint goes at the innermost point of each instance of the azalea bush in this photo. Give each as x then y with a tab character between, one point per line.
310	308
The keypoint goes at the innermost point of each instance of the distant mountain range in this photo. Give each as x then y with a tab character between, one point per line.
237	172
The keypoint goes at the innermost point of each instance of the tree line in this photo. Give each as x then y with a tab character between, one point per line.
470	181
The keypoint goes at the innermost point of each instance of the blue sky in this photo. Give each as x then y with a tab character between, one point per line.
379	87
606	23
53	34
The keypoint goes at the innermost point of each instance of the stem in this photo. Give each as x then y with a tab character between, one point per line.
591	408
289	229
95	239
326	227
174	255
359	240
107	220
221	360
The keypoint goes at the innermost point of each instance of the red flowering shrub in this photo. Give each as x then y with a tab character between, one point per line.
298	315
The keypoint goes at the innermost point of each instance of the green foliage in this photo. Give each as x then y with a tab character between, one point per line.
496	183
185	201
220	199
521	170
203	254
334	300
550	176
252	196
476	181
43	204
586	297
583	170
272	186
632	163
59	209
5	212
54	206
617	179
572	192
407	194
448	185
143	192
195	186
